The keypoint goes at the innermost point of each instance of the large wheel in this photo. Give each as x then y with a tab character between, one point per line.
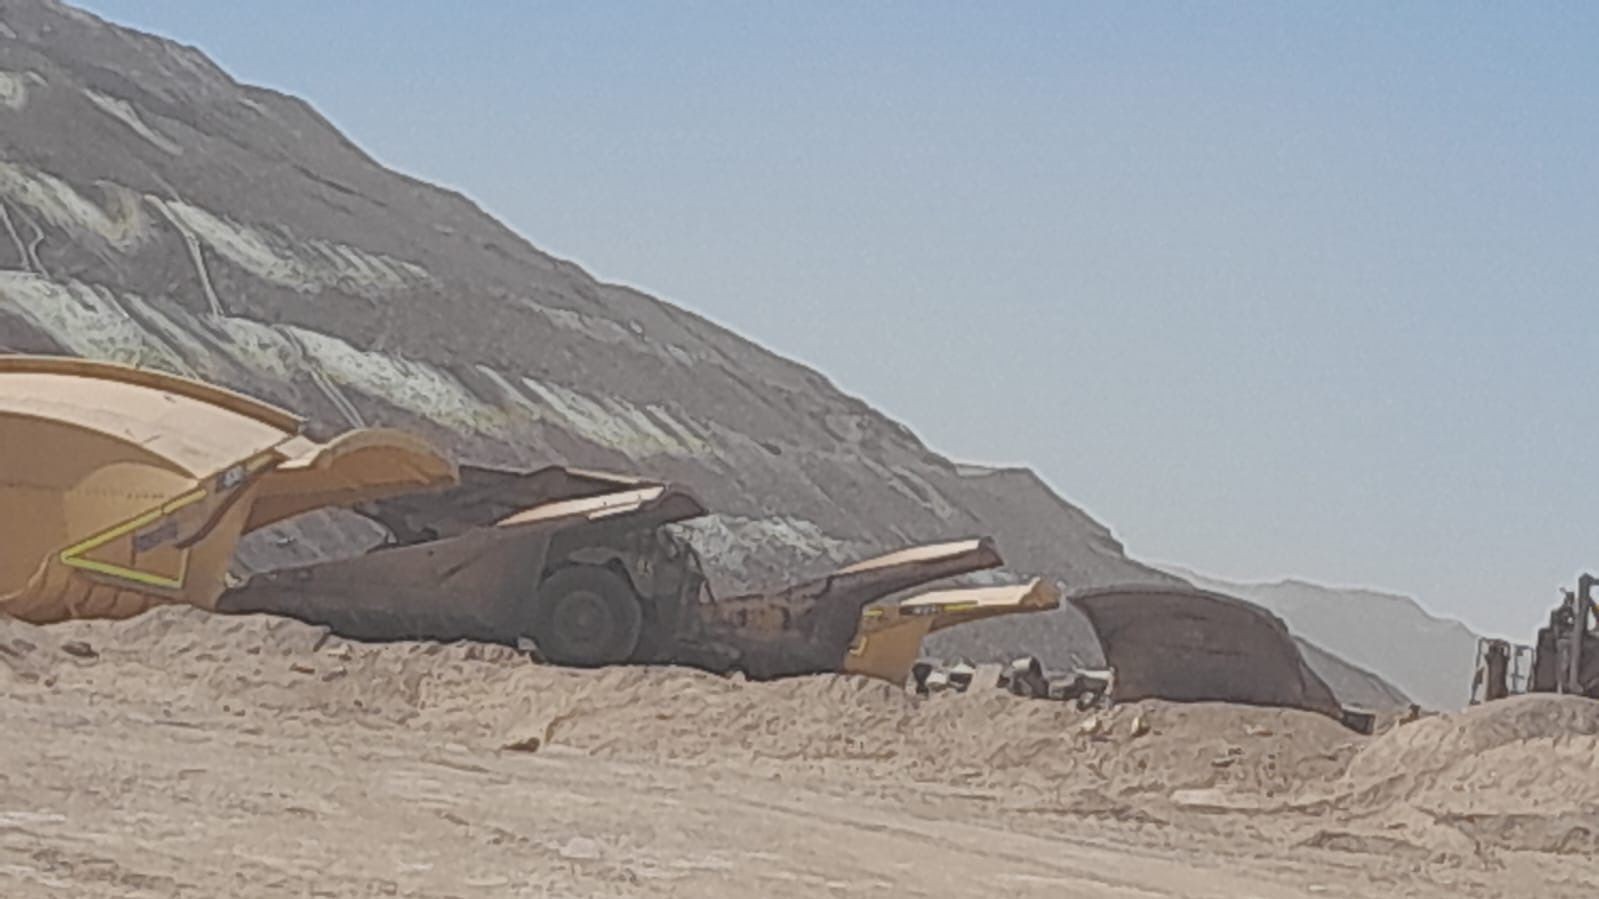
586	616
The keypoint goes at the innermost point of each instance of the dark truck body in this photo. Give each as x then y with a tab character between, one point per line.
581	564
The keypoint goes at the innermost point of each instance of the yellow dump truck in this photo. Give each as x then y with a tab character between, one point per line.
126	488
890	636
580	564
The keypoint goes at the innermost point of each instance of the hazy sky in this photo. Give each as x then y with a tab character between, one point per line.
1272	289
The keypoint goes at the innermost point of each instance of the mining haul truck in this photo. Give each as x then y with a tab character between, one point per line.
127	488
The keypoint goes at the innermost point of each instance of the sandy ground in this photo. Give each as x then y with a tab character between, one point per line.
182	754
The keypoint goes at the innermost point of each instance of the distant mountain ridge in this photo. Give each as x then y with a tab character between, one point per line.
1428	657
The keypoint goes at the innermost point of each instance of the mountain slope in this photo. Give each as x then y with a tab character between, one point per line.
154	211
1429	658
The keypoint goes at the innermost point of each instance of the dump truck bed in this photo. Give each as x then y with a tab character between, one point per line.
890	636
125	488
471	563
475	581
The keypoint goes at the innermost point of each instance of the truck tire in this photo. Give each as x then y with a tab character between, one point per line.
586	616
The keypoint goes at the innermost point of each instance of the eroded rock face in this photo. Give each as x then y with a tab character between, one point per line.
154	211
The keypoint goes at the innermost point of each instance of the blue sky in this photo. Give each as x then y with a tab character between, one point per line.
1273	289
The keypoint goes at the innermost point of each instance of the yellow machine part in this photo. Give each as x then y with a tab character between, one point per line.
123	488
890	637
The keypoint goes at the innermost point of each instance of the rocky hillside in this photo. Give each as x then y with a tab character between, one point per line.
1430	658
155	211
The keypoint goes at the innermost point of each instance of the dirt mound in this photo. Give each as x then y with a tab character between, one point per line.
1518	774
332	768
297	675
29	654
1439	742
191	634
810	725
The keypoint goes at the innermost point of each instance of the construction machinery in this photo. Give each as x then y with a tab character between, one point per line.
127	488
1502	669
583	566
889	639
124	489
1565	658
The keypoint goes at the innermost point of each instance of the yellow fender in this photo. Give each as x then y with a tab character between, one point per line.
122	488
890	637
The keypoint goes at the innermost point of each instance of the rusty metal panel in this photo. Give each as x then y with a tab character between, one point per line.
1191	645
